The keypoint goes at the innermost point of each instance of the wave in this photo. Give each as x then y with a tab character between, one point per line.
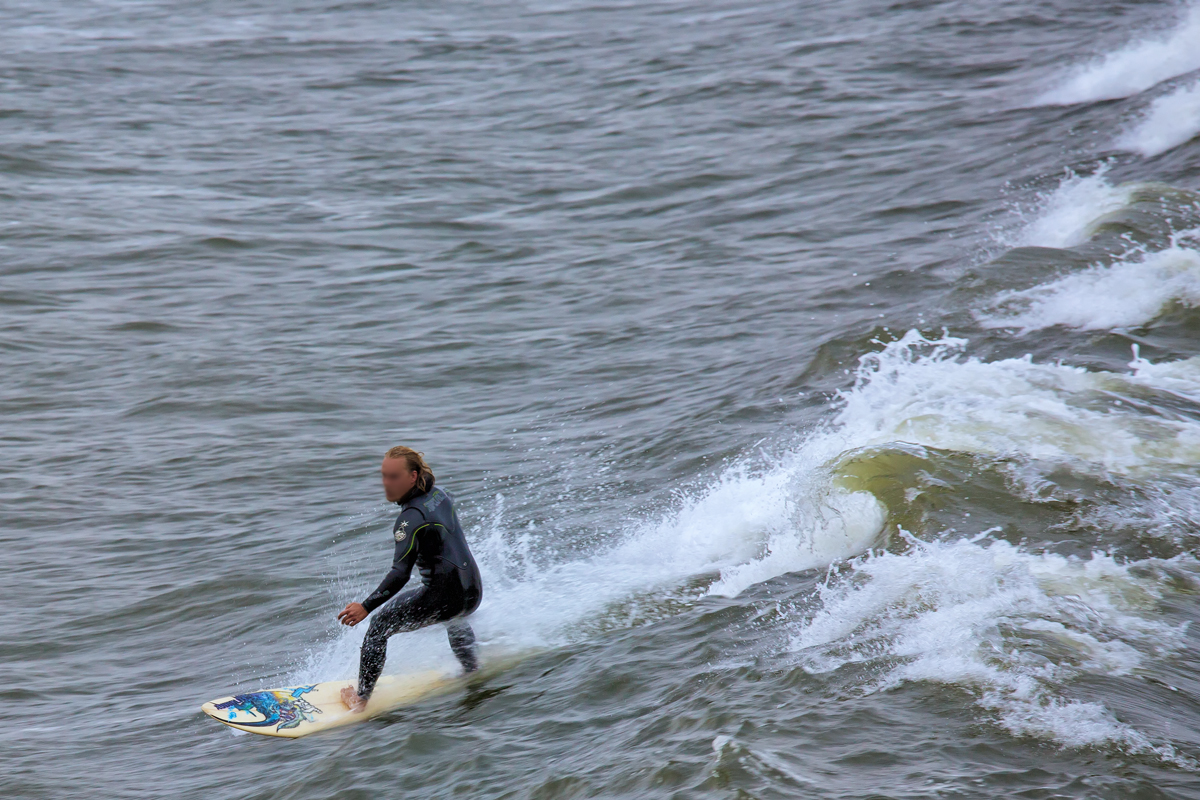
926	392
749	525
1171	120
1065	216
1127	294
1013	627
1138	66
1091	255
916	610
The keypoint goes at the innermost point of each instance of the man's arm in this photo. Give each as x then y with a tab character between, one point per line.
402	564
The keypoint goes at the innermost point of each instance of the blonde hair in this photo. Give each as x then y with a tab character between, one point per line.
415	461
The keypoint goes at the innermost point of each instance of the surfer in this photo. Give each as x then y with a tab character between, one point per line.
427	535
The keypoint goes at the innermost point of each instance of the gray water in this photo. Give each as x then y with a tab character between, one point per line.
819	384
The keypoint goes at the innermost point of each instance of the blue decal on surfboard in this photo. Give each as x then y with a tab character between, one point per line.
284	708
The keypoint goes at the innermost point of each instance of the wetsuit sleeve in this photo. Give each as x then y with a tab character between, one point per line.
402	561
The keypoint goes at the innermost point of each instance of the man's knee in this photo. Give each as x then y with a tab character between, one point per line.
375	628
377	633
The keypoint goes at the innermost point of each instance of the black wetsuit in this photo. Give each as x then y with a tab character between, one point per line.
427	535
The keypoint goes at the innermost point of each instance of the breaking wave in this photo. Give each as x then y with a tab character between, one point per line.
1065	216
1126	294
1014	628
1134	68
1011	626
1171	120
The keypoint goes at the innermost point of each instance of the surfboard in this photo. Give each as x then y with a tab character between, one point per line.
295	711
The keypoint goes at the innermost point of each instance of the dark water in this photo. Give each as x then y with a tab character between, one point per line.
781	356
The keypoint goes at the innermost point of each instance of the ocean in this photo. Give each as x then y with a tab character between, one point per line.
819	384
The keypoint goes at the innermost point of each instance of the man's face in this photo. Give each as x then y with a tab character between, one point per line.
398	479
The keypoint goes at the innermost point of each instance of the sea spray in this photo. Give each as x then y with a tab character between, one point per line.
1139	65
1171	120
751	523
1129	293
748	524
928	392
1064	216
1012	627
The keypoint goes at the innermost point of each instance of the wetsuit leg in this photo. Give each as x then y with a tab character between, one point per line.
405	612
462	642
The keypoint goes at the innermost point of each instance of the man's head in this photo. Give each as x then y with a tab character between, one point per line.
403	469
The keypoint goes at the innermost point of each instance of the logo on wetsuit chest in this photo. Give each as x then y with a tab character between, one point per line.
401	531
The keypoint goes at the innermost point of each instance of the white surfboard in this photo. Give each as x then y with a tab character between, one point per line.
297	711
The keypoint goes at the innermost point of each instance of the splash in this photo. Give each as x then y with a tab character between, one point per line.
1134	68
1065	216
748	525
839	526
754	522
1171	120
1125	294
1013	627
926	392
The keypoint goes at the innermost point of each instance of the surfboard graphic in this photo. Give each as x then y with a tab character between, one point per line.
295	711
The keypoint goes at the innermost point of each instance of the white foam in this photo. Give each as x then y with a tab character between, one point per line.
1180	378
1126	294
751	525
1135	67
1065	216
1171	120
1011	626
936	612
925	392
840	526
746	527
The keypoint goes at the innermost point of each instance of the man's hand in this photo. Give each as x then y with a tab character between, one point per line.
352	614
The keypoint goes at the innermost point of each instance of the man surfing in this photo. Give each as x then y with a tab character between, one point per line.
427	535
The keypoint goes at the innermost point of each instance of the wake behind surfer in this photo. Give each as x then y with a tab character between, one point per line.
428	536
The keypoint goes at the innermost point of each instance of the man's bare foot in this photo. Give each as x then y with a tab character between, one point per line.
352	700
